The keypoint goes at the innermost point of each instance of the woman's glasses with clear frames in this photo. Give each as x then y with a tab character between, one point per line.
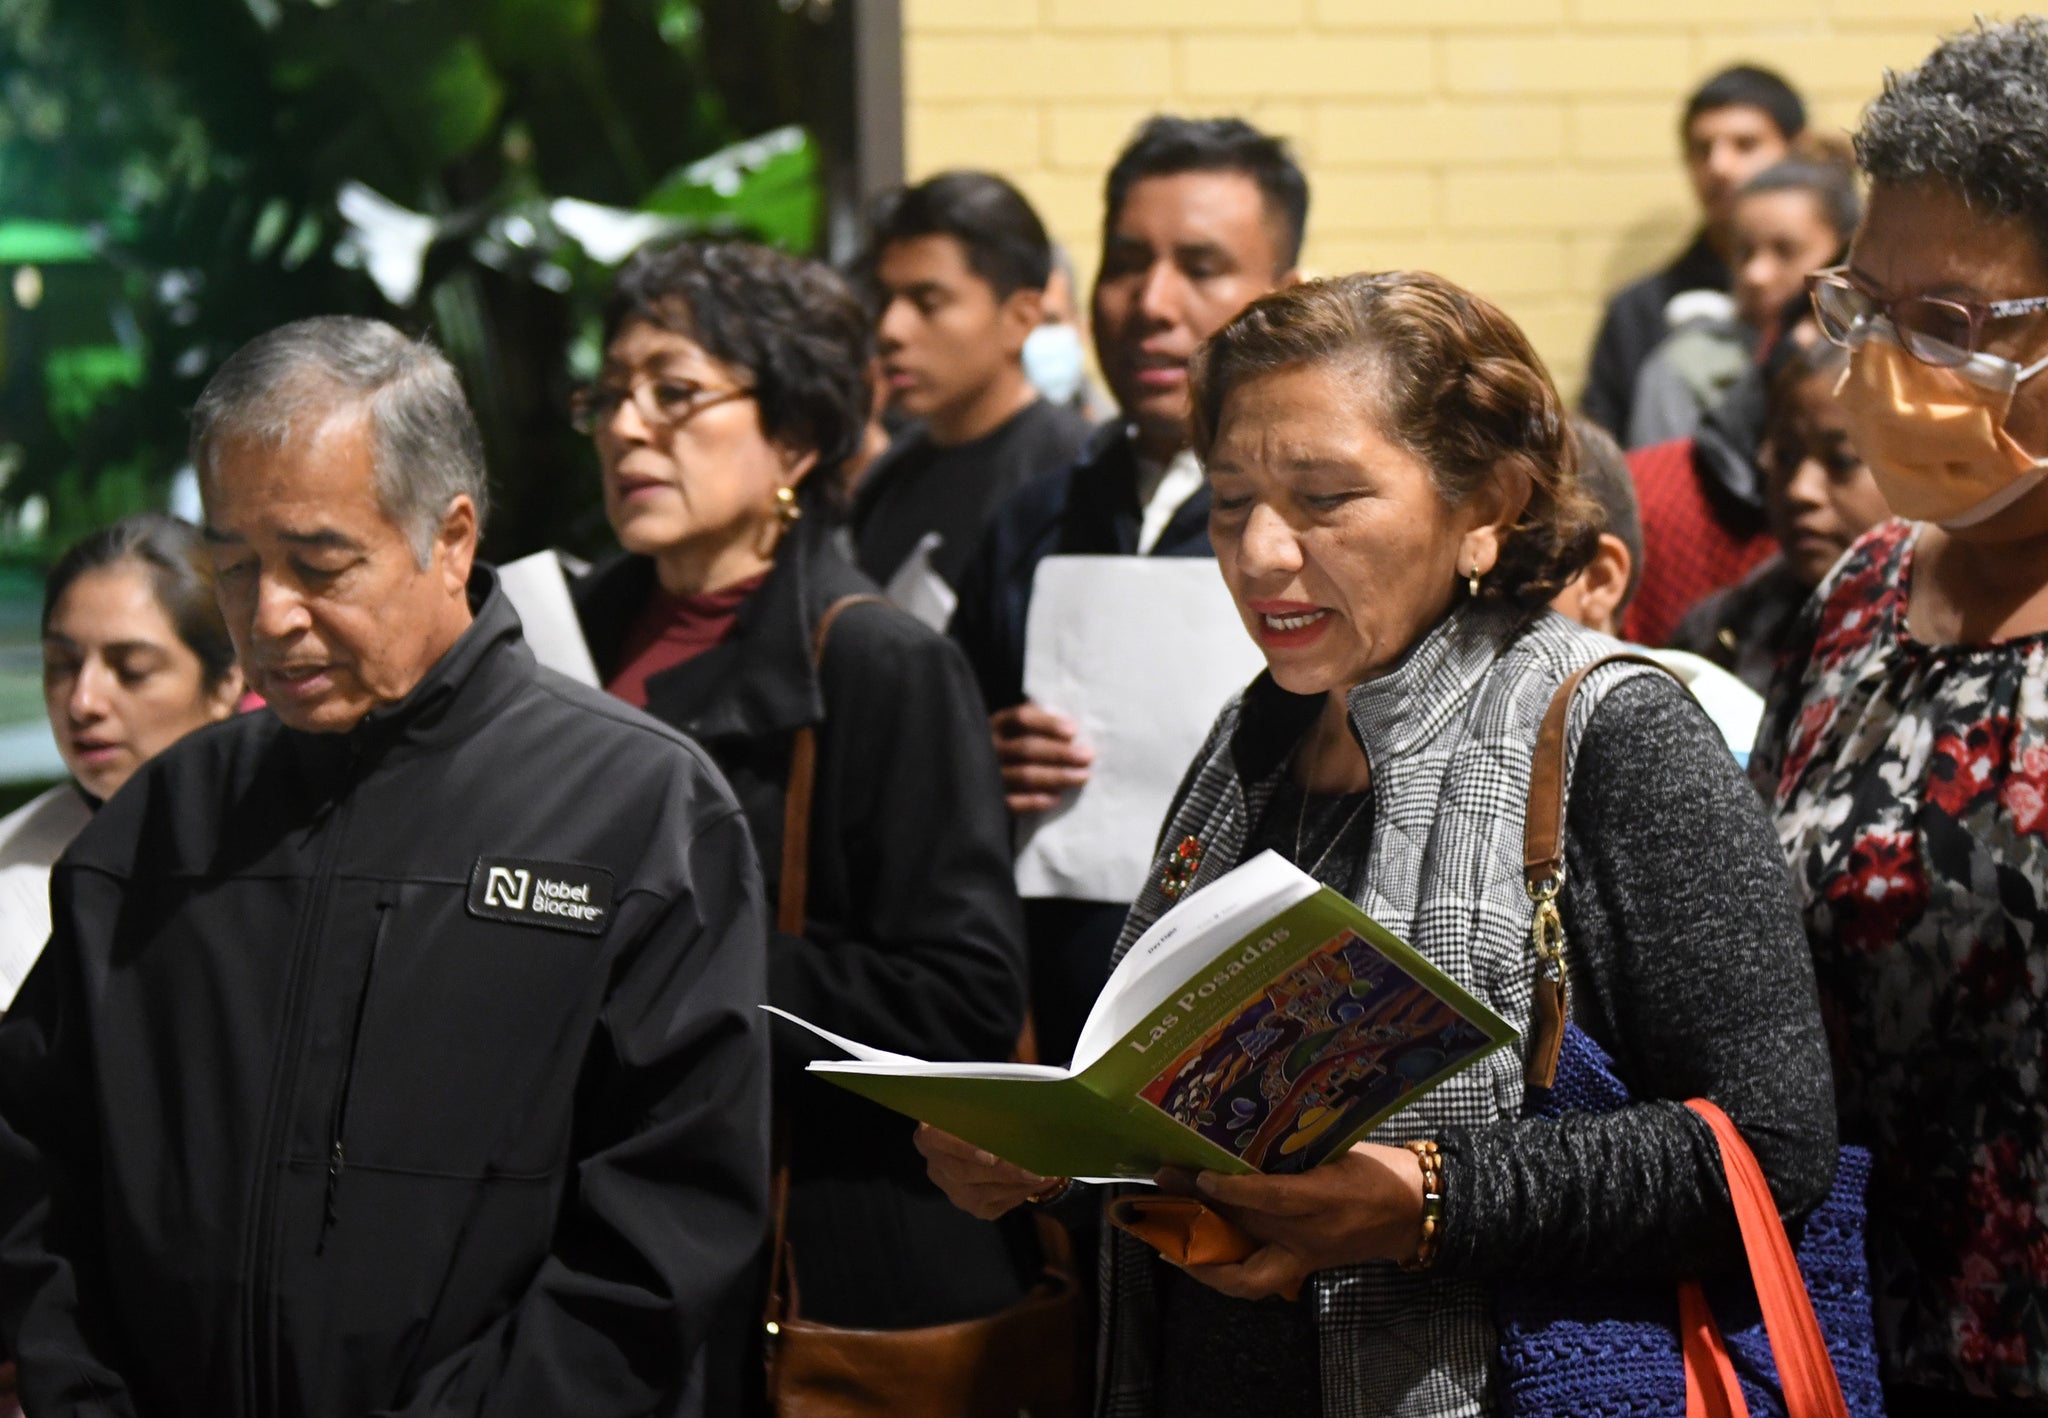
1933	329
661	403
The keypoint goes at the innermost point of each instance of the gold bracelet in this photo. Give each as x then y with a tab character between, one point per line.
1431	1159
1052	1191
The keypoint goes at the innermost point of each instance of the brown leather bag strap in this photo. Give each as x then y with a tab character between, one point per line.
783	1302
791	897
1543	829
1543	868
791	902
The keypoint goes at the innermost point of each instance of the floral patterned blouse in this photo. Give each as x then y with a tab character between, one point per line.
1911	788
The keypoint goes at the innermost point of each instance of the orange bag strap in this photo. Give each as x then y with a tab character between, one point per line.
1711	1390
1805	1372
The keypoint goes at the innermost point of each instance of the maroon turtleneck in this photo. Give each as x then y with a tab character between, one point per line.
672	629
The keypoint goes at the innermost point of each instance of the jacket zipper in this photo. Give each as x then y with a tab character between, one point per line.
259	1284
337	1155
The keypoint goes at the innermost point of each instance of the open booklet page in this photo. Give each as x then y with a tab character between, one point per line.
1263	1024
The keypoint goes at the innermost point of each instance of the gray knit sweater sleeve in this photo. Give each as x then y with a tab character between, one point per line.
1689	966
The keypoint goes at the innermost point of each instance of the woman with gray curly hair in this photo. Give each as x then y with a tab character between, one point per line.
1906	745
1395	500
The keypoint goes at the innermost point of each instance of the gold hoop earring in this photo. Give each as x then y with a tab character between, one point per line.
785	505
1472	580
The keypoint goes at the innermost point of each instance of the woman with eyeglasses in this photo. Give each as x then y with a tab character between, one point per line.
1906	746
733	388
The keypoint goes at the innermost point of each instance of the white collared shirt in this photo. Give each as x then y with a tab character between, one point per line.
1162	492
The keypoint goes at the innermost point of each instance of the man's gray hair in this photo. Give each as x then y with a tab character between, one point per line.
424	440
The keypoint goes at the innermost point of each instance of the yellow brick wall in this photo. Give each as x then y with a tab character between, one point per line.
1527	148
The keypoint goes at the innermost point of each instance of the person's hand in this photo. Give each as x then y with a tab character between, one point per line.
1041	756
1365	1205
978	1182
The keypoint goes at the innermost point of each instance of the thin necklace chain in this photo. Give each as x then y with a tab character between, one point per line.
1301	823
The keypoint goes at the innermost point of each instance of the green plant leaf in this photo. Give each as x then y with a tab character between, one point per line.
765	186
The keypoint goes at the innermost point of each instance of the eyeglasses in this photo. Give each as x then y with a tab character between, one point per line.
663	404
1933	329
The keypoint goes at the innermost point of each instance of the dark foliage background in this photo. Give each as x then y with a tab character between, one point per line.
178	175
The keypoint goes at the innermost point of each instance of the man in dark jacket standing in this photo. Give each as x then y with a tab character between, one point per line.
1202	217
1735	125
395	1050
960	266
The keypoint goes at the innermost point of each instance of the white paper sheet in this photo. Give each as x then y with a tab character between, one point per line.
1141	652
920	590
539	591
862	1052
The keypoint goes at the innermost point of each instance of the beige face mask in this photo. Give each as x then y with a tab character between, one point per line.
1935	437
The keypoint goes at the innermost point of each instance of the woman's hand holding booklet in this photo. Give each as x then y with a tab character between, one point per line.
1264	1024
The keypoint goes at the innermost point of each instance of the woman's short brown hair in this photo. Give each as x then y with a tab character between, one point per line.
1456	383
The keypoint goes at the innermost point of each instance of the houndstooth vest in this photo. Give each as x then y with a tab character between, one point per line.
1449	734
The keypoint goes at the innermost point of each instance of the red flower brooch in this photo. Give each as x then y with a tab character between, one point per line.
1181	865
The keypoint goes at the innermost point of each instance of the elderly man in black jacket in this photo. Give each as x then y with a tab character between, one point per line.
396	1049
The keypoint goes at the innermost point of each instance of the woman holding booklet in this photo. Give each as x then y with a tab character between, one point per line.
1395	501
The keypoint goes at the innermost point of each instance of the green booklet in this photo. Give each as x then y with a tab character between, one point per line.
1265	1023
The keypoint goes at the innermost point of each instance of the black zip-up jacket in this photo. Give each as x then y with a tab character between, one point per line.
414	1070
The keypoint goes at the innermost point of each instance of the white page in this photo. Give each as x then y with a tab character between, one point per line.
1141	652
1158	963
868	1059
860	1051
1185	939
920	590
915	1069
539	591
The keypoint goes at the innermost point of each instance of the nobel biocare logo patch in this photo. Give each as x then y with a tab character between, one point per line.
558	895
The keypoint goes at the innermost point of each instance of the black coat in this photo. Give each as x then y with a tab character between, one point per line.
414	1070
913	941
1634	325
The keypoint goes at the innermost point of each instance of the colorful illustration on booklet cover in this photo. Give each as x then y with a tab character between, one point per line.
1339	1038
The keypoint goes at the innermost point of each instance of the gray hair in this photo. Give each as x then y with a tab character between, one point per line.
1973	115
426	449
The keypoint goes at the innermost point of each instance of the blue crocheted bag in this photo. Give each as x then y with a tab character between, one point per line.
1612	1349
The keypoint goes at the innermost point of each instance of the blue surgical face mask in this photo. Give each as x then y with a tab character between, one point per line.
1054	363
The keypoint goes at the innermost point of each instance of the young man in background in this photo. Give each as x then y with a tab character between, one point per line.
960	264
1736	124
